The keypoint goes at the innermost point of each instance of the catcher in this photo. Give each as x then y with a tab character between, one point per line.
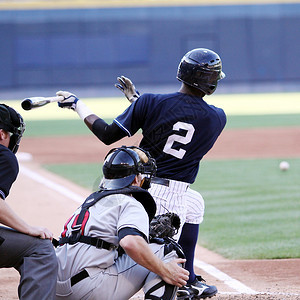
103	251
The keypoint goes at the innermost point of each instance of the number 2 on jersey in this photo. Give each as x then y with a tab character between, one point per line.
189	128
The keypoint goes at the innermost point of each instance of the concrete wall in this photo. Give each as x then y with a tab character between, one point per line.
86	47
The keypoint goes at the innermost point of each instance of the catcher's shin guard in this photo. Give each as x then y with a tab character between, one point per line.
161	291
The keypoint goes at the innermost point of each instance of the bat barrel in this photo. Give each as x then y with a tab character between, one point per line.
26	104
30	103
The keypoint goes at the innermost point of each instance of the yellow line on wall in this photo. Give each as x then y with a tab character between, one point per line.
72	4
257	104
235	104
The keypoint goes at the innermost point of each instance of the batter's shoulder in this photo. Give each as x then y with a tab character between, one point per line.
218	110
158	97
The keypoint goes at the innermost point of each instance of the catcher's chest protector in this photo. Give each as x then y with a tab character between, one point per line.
138	193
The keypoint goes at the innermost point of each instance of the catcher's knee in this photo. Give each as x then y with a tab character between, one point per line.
161	291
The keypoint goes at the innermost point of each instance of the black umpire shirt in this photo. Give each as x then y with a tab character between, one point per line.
9	169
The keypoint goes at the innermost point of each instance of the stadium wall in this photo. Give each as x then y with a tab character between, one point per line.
86	47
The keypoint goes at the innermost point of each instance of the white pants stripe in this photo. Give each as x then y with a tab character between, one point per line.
180	199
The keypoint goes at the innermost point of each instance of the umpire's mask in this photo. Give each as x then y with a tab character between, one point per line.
12	122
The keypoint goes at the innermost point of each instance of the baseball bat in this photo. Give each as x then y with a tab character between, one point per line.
35	102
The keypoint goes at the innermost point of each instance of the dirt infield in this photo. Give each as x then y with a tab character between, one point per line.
42	205
232	144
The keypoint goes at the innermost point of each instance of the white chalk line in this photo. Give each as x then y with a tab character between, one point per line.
226	279
51	184
261	293
233	283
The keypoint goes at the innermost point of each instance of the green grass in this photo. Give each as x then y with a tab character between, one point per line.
56	128
257	121
87	175
252	208
36	128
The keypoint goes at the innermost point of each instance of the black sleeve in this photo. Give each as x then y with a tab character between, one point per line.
106	133
130	231
9	170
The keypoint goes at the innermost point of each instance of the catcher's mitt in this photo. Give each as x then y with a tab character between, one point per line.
165	225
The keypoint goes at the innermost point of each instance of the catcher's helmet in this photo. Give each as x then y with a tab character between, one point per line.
12	122
122	164
202	69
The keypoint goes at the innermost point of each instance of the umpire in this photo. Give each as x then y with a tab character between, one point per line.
26	248
103	251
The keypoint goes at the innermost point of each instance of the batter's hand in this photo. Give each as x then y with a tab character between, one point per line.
127	87
70	100
40	232
175	274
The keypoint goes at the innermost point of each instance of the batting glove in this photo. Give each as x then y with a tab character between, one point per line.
126	86
70	100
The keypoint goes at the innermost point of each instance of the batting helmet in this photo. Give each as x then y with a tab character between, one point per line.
12	122
202	69
122	164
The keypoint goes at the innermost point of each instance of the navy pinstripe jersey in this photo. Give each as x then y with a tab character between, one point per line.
9	169
178	130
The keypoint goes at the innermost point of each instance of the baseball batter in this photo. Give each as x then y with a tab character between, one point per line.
91	265
26	248
178	130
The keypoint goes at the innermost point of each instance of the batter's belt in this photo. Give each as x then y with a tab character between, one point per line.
174	185
162	181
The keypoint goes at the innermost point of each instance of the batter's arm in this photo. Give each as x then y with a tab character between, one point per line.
107	133
138	249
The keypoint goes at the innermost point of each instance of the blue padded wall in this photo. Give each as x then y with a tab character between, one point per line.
257	43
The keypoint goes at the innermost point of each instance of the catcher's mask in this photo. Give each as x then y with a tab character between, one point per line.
121	165
202	69
12	122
